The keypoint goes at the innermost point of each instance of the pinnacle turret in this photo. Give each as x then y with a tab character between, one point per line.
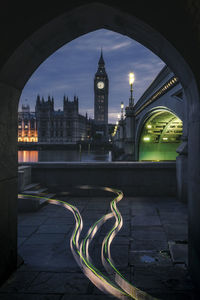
101	60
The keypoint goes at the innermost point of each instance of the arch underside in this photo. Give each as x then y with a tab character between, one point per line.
160	137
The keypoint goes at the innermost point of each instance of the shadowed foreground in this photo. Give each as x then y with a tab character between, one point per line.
150	250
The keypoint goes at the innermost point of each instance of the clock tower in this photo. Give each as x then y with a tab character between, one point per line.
101	84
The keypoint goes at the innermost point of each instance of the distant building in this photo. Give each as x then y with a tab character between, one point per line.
27	125
61	126
101	86
49	126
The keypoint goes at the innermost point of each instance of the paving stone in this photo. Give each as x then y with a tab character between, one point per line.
33	219
26	230
56	228
119	255
121	240
28	297
179	252
87	297
165	278
153	233
176	232
151	257
145	221
56	211
59	220
141	245
144	211
63	283
125	230
54	257
175	295
18	282
106	227
43	239
20	241
173	218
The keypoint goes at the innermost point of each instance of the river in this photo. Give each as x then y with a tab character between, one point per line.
63	155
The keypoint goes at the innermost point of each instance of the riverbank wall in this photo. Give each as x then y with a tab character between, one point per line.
133	178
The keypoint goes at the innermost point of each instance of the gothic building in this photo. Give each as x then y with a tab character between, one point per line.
49	126
101	85
61	126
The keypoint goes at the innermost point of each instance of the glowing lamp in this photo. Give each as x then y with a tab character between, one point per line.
131	78
146	139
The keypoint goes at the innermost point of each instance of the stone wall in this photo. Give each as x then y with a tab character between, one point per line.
134	179
24	177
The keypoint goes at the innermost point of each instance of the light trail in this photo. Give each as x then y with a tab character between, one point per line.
121	288
107	261
101	281
130	290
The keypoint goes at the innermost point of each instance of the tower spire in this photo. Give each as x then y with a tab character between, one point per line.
101	60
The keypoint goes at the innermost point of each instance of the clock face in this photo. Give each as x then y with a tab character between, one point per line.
100	85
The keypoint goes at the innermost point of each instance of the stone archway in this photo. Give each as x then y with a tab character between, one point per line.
28	51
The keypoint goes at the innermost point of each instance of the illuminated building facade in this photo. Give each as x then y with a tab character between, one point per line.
27	126
61	126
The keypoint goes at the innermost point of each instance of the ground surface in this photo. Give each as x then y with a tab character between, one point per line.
150	250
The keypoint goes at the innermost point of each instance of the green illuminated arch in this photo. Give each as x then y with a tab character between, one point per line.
160	137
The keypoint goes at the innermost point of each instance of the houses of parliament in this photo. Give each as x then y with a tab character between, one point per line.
49	126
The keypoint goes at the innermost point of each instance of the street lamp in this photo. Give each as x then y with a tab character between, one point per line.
131	80
122	110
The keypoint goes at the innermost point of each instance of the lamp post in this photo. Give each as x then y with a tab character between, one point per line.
122	110
131	80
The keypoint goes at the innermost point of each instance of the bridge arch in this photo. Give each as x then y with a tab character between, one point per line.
159	135
30	45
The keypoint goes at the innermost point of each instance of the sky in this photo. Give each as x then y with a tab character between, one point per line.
71	69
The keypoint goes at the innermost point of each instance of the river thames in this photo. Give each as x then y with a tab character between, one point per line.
63	155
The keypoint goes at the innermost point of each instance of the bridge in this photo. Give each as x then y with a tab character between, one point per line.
153	129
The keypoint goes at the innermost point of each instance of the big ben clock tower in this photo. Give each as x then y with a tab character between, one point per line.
101	98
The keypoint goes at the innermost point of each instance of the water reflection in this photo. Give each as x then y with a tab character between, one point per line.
28	156
64	155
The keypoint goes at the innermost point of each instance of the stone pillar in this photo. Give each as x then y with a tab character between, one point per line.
8	180
129	142
121	135
182	170
182	158
194	199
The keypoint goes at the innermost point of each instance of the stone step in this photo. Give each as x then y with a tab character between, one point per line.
28	204
32	186
35	192
49	196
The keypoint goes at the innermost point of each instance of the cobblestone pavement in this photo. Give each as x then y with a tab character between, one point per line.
150	250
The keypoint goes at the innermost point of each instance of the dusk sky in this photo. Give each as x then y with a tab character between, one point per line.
71	69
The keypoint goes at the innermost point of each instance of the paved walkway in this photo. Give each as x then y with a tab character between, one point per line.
150	250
